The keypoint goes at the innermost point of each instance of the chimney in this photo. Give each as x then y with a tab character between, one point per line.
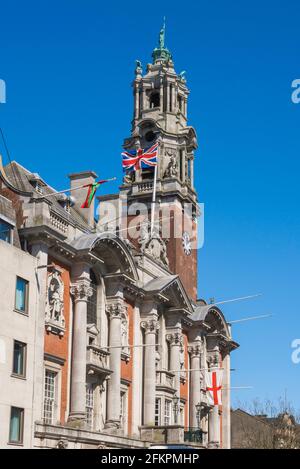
80	179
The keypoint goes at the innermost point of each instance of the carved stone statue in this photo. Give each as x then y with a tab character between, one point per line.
124	330
153	245
55	298
144	234
138	67
172	168
128	178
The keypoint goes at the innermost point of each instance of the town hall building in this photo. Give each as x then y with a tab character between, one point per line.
104	342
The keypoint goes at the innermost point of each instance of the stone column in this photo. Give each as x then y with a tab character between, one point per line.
115	308
175	341
195	383
214	428
150	327
81	291
161	97
136	101
226	430
192	171
174	98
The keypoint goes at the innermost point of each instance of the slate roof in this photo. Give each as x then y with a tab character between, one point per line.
23	177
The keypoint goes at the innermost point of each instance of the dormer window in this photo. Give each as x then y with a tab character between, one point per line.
154	99
5	231
36	183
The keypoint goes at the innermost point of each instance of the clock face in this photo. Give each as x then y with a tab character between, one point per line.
186	243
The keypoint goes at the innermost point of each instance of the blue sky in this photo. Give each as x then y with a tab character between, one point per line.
68	66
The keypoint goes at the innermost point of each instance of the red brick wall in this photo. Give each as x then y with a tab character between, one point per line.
181	264
59	346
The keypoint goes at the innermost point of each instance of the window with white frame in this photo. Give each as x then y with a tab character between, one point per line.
157	411
50	400
89	405
168	412
123	409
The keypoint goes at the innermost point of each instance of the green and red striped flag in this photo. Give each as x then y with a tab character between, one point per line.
92	191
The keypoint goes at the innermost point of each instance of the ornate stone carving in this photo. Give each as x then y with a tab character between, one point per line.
81	290
154	245
54	318
213	359
115	309
62	444
128	178
181	356
172	167
175	338
195	350
150	326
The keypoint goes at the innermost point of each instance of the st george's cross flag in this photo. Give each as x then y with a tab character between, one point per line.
133	160
213	380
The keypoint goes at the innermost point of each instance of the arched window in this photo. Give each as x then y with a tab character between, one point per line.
154	99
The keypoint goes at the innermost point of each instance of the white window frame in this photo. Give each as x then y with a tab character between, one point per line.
52	367
124	409
157	416
167	412
90	405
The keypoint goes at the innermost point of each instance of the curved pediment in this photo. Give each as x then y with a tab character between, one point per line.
112	251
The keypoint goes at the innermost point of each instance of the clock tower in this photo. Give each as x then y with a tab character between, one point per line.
160	97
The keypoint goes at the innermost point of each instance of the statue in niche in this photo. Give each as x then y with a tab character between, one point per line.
172	167
55	299
181	357
124	332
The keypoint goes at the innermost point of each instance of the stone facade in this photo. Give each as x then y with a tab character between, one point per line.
117	340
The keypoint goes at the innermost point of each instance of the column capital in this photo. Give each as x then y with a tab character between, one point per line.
150	326
81	290
175	338
195	350
213	358
115	309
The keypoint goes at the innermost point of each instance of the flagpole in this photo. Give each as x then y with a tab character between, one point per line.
153	201
71	190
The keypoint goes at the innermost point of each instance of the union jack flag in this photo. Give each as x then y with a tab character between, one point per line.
140	159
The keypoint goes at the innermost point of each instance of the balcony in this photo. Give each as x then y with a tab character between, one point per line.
193	435
164	380
97	361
